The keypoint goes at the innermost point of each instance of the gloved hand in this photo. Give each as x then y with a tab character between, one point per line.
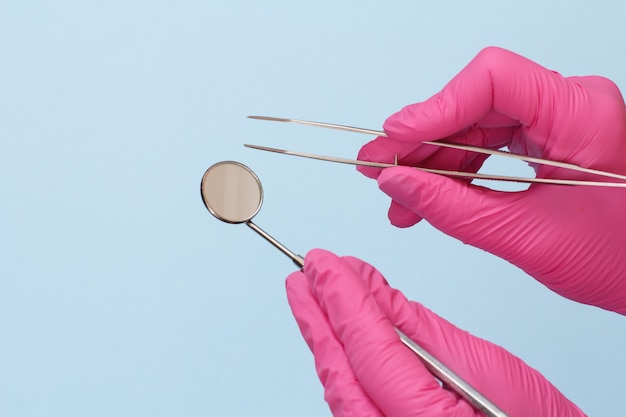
347	313
571	239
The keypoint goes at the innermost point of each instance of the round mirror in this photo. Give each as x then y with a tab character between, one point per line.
231	192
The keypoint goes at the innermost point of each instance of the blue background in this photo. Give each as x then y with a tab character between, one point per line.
121	296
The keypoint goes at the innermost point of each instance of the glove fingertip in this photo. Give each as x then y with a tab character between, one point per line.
293	281
376	150
298	292
401	216
402	184
396	126
369	172
316	258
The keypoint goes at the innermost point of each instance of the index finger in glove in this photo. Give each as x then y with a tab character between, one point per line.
496	83
342	391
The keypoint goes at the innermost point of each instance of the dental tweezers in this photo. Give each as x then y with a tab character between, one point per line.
446	144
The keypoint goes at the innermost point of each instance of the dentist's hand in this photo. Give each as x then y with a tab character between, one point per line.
347	314
572	239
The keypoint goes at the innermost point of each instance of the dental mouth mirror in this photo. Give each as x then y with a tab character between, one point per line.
232	193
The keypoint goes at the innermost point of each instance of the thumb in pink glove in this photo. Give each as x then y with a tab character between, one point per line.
572	239
347	314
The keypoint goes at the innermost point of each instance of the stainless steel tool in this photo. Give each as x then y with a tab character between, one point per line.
446	144
232	193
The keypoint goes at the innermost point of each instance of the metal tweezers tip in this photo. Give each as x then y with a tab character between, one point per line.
273	119
265	148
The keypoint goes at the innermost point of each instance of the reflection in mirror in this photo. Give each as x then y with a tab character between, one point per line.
231	192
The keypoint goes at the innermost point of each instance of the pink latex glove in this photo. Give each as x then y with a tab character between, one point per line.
571	239
347	314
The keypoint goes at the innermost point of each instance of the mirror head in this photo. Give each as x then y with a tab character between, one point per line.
231	192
